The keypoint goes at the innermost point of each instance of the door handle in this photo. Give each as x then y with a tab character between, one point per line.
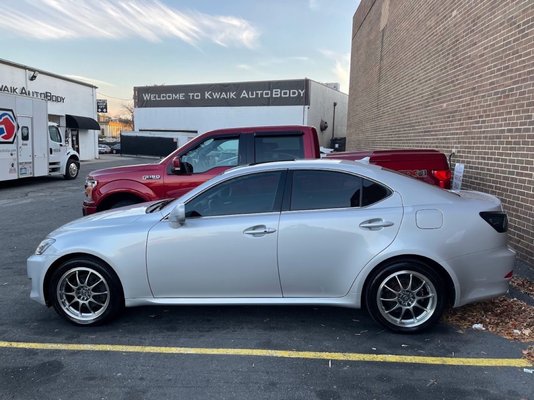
375	224
259	230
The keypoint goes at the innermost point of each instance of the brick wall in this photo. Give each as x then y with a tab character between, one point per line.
452	75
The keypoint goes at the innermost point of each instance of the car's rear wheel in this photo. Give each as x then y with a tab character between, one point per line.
406	296
85	292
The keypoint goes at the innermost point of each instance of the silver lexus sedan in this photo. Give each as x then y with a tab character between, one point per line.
321	232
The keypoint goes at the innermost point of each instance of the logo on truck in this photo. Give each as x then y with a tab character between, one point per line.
8	126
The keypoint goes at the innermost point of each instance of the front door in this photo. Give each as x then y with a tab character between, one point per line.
210	158
227	246
25	147
55	144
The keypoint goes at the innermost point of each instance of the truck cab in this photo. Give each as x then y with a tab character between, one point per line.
62	159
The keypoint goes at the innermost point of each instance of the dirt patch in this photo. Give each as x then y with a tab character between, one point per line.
506	317
524	285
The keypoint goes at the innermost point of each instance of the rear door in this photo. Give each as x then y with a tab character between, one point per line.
25	147
334	224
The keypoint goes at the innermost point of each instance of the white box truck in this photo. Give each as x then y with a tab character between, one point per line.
31	146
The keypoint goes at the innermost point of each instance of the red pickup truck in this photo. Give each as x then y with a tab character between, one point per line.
213	152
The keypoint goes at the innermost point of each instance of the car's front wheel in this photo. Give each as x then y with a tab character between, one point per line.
406	296
85	292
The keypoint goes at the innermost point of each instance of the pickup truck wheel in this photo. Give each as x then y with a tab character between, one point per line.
406	296
73	167
85	292
123	203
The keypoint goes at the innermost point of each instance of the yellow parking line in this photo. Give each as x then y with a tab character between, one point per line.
389	358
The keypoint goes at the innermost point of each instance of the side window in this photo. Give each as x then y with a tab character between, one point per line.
324	189
373	192
276	148
245	195
312	190
55	136
213	152
25	133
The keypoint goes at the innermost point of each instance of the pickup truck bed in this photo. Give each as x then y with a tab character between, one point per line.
428	165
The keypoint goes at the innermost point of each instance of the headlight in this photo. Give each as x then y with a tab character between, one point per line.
44	245
90	184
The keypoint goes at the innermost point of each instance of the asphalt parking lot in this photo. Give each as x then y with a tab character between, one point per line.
221	352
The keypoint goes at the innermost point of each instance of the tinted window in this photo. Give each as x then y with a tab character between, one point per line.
213	152
55	136
373	192
276	148
326	189
245	195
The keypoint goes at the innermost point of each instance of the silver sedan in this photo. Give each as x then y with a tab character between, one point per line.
336	233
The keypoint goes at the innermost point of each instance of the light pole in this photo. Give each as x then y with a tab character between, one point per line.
334	120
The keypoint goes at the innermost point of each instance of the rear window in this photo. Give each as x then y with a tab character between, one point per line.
278	148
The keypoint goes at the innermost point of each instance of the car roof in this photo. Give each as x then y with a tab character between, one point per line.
328	164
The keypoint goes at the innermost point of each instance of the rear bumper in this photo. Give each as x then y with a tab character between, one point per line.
88	208
481	275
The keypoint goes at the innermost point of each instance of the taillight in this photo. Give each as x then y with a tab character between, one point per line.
444	177
497	219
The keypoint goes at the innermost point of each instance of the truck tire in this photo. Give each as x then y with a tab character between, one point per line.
72	169
124	202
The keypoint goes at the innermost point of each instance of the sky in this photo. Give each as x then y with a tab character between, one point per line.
119	44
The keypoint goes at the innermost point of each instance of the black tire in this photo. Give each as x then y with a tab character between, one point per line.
405	296
124	203
85	292
72	169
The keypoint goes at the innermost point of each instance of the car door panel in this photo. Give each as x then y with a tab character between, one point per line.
322	251
225	256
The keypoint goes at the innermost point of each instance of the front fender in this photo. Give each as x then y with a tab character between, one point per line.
125	186
70	154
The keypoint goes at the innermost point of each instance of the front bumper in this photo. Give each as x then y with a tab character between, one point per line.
88	208
36	267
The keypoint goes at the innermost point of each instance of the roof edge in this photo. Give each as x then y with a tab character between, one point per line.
51	74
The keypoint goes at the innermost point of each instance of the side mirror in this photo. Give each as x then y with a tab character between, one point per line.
177	215
181	168
176	165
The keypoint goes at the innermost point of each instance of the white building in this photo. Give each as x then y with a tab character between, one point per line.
188	110
71	104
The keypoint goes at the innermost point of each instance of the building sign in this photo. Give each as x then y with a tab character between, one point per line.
101	106
238	94
22	91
